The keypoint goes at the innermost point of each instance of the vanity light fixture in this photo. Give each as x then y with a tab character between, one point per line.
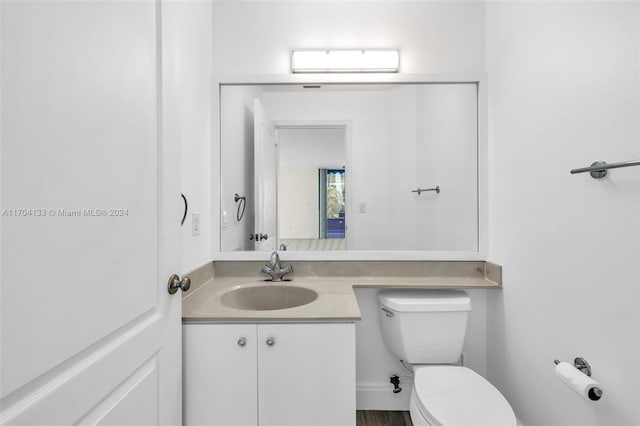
344	61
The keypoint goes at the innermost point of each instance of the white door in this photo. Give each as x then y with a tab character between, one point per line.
264	178
90	217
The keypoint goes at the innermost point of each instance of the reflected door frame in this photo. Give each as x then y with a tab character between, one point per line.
323	124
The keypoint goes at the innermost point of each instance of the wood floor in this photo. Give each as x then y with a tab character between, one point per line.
383	418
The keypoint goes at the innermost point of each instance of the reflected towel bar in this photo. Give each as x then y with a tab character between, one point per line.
598	170
421	190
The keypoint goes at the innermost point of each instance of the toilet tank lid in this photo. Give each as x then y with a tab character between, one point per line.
425	300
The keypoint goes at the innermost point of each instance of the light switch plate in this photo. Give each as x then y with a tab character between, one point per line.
195	224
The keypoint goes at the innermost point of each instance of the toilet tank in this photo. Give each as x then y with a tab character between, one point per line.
424	326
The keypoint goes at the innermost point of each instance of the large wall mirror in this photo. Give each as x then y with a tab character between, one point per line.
349	167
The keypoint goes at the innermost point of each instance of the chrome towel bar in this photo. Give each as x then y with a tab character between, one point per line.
421	190
598	170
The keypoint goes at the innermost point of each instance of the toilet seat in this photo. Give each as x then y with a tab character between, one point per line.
458	396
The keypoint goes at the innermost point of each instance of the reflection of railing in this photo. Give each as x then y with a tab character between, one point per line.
421	190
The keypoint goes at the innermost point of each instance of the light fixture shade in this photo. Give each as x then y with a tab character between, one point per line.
344	61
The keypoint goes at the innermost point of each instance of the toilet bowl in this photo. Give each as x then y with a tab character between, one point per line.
453	395
426	328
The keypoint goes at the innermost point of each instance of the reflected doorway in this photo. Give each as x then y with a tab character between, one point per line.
331	188
311	194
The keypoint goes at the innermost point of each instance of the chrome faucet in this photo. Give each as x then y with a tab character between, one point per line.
274	269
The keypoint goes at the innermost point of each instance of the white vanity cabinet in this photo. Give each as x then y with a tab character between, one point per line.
267	374
219	374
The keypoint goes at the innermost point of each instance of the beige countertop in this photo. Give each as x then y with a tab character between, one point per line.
336	298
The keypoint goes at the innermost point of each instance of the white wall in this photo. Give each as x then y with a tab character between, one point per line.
434	37
301	153
564	92
255	37
192	33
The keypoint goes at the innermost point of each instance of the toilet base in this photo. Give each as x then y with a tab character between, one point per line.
416	416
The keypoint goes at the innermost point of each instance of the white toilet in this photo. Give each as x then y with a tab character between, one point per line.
426	328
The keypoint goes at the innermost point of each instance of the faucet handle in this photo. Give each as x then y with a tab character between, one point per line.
274	269
282	272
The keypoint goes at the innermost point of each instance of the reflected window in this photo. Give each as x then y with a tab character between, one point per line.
332	202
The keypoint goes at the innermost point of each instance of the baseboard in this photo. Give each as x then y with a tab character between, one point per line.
380	397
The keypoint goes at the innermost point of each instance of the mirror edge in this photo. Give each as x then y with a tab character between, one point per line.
480	79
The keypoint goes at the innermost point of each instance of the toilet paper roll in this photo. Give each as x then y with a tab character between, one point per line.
579	382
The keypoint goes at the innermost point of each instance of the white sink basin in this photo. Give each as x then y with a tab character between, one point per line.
268	297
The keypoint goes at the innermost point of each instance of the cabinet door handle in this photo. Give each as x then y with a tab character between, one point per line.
242	342
270	341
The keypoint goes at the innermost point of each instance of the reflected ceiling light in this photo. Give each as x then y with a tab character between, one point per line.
344	61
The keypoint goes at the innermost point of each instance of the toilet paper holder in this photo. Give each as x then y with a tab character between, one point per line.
580	364
583	366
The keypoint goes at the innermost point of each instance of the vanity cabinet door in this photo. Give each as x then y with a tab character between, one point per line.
306	374
220	375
